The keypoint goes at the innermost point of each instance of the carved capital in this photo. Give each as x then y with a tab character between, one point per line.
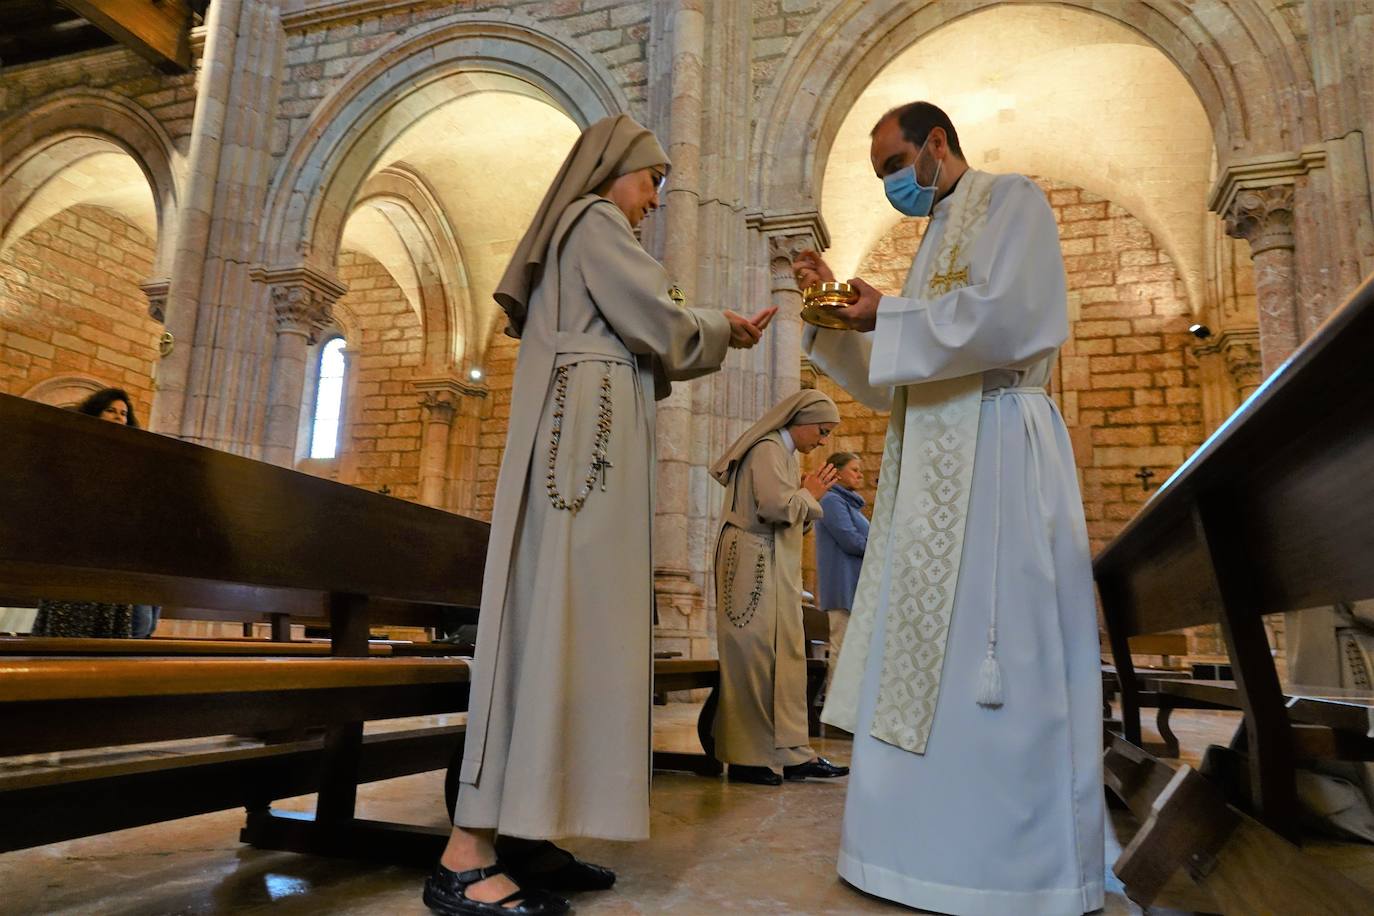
1241	351
156	291
438	406
299	310
789	234
1263	217
302	298
441	397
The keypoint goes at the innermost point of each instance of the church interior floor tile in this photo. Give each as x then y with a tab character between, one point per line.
717	848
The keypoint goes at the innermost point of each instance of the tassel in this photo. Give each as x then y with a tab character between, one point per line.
990	677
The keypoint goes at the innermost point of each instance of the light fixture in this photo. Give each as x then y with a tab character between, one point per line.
1200	331
475	374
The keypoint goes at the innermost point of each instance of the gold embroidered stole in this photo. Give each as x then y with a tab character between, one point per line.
917	534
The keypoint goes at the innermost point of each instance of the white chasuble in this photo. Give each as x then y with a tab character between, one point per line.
954	806
918	516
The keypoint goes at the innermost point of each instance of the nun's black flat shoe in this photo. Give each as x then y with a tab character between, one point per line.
820	768
541	864
760	776
446	894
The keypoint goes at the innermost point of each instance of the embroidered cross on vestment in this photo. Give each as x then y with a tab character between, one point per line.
945	281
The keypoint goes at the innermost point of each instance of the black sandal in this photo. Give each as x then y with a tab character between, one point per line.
446	893
571	874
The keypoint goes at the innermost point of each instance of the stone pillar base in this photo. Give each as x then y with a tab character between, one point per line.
684	623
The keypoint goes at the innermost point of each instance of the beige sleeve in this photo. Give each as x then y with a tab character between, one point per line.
630	290
779	498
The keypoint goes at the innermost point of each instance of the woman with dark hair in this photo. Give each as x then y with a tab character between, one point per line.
111	404
92	619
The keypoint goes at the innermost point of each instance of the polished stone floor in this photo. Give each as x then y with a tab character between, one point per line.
716	849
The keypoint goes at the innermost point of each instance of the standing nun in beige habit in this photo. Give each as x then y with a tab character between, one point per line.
760	724
558	728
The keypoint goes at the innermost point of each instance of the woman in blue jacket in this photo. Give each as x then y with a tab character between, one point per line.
841	536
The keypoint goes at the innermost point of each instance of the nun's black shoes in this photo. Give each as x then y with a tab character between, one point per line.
759	776
446	893
541	864
820	768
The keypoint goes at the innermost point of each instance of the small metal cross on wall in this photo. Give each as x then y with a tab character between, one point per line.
1144	475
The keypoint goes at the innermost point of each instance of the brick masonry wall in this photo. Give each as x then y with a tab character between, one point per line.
777	23
383	427
170	99
1126	381
317	60
500	369
70	304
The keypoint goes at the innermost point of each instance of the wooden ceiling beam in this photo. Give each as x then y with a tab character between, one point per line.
158	30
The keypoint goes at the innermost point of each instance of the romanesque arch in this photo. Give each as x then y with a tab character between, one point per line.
320	177
39	142
435	250
1242	61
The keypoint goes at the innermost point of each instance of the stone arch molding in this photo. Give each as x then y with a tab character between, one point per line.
323	171
1241	59
65	390
41	140
436	252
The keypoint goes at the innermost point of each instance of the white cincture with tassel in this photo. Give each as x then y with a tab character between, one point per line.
989	694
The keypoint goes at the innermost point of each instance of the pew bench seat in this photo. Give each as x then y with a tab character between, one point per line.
166	646
1328	724
55	704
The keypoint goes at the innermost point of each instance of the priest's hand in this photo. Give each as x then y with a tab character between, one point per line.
809	269
863	314
821	480
746	332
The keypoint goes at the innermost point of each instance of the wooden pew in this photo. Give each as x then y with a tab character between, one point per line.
162	648
98	512
1271	514
66	704
170	647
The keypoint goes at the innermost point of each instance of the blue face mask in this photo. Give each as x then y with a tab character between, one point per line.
907	195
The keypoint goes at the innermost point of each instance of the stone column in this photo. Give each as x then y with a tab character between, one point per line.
1264	218
436	411
1241	352
673	585
441	401
301	301
1229	372
211	390
786	235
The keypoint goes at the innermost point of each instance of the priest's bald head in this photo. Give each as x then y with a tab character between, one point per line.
916	153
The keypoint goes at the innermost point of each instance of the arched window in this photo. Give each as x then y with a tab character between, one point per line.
324	434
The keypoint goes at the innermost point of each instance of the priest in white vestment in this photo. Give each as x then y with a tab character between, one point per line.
970	675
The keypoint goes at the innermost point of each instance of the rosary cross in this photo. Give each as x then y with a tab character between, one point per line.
942	283
601	464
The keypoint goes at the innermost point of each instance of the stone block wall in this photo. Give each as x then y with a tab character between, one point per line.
383	425
1126	380
491	441
70	304
777	23
317	59
168	98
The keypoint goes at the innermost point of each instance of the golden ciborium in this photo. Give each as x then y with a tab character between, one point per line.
820	302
